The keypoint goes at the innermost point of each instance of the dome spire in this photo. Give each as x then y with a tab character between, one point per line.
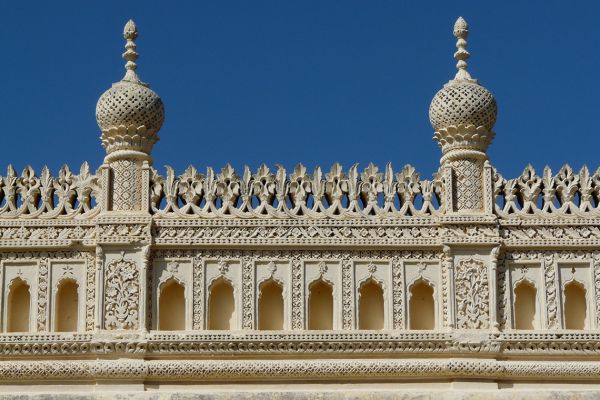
129	114
130	33
461	31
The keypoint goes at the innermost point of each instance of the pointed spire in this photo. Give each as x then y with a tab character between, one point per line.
461	31
130	33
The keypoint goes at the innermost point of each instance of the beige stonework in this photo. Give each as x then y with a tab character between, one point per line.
127	282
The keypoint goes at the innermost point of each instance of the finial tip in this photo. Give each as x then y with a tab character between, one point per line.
461	28
130	31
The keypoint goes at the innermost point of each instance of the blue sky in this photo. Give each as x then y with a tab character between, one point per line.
315	82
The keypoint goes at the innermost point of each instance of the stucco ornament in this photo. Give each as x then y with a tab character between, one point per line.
142	250
130	114
463	112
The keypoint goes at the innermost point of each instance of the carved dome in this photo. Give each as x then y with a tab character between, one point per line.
130	104
129	114
463	103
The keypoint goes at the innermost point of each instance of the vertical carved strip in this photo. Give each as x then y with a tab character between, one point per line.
596	286
297	293
488	188
398	292
448	190
550	277
198	266
100	286
106	187
348	298
144	292
90	291
248	290
503	293
493	285
145	189
42	301
448	288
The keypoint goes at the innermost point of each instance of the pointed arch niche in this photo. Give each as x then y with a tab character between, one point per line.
270	305
320	305
575	306
526	308
421	305
171	306
18	308
371	305
172	303
66	306
221	305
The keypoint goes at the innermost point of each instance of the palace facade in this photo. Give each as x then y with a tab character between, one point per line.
361	282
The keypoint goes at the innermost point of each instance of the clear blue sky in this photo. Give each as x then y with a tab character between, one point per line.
316	82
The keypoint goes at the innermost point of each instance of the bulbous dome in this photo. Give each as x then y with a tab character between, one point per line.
130	104
463	102
129	114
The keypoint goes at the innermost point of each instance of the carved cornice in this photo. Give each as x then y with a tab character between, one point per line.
512	345
206	371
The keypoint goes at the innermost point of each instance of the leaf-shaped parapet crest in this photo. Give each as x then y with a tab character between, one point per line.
43	195
565	194
275	193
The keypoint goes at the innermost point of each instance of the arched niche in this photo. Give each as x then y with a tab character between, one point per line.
270	306
18	307
221	305
421	306
171	306
525	306
320	306
575	307
371	306
66	306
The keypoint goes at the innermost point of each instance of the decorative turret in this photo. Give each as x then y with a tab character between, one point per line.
129	114
463	114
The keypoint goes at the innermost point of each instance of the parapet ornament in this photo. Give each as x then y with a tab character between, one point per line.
64	196
299	195
566	194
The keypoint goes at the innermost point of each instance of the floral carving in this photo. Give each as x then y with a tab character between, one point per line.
122	294
472	295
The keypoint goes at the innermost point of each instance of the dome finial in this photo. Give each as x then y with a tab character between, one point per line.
129	114
130	33
461	31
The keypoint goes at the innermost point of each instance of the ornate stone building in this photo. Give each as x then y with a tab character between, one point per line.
371	280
